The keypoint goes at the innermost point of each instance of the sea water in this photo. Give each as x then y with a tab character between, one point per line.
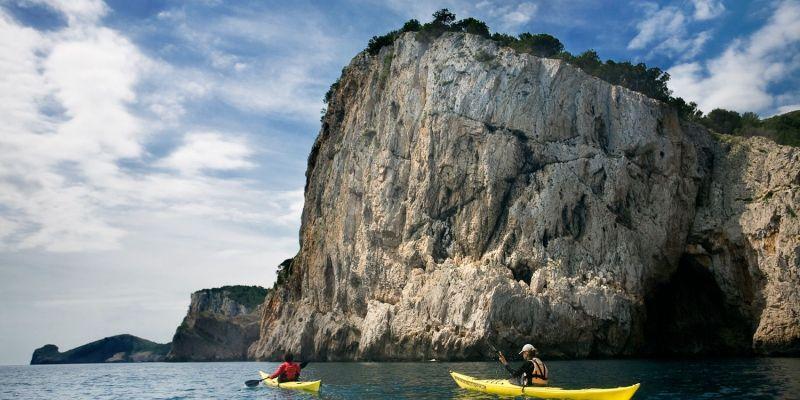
756	378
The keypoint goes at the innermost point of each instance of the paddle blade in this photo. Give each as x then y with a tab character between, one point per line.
253	382
494	349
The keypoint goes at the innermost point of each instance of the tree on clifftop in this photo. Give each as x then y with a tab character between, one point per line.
443	17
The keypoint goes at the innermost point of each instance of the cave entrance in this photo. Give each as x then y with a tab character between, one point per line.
688	316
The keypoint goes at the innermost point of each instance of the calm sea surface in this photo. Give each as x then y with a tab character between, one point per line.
776	378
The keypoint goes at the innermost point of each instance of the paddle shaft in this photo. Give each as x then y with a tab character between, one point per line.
495	349
255	382
501	354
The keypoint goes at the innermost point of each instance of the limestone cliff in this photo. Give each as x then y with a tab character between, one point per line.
746	234
220	325
460	193
119	348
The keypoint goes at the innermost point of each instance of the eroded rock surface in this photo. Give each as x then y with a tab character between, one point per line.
747	234
450	202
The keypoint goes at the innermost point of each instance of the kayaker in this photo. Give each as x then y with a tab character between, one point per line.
288	371
531	372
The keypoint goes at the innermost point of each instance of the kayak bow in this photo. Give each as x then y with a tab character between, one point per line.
311	386
503	387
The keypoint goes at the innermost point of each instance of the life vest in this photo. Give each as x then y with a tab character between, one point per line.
539	372
538	375
291	371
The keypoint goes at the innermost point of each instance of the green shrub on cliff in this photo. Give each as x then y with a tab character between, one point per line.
376	43
329	93
472	26
651	82
542	44
443	21
687	111
284	271
723	121
783	129
249	296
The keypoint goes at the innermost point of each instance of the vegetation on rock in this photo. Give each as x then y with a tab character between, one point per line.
650	81
783	129
284	271
248	296
220	325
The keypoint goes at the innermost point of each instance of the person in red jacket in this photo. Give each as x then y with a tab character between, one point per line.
288	371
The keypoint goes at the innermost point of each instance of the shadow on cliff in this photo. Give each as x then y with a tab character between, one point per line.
692	313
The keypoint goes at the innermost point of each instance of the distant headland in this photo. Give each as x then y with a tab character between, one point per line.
220	325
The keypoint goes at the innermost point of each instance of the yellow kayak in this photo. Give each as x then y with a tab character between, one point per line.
312	386
503	387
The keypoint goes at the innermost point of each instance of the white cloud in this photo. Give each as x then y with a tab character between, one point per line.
507	15
516	16
89	200
739	78
92	77
209	151
68	125
286	82
78	11
707	9
289	88
172	89
88	73
667	30
7	227
787	108
659	24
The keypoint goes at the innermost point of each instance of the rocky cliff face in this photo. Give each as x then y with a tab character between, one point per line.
746	239
119	348
460	193
220	325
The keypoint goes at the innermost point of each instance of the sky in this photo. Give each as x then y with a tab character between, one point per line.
149	149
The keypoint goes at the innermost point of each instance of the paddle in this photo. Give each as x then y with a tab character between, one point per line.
255	382
494	349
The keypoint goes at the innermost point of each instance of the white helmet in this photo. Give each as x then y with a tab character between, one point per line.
528	347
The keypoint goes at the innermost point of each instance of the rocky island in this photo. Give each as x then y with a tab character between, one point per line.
119	348
220	326
461	193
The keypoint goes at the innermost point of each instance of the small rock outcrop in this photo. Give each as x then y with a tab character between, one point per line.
460	193
120	348
220	326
